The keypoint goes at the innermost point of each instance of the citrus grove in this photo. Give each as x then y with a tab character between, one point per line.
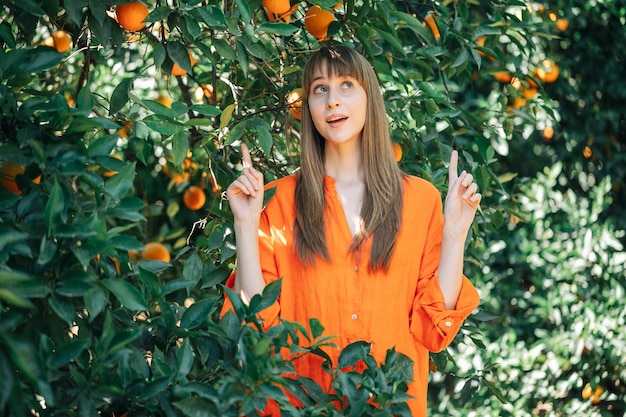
120	127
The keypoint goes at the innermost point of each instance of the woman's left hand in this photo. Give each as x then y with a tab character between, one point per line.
462	199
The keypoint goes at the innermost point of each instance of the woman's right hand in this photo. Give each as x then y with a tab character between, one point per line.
245	194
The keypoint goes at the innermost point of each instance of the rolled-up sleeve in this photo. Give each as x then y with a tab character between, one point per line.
432	324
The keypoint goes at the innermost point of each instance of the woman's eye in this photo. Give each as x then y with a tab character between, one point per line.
320	89
347	85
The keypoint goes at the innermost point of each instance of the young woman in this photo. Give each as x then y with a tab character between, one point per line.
358	244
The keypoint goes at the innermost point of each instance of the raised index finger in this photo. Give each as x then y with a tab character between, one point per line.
453	172
245	155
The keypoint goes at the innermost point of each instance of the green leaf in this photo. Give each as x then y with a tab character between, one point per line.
184	360
39	59
197	314
159	54
127	295
352	353
196	407
165	128
316	328
118	185
227	114
119	97
95	301
192	270
55	208
63	308
282	29
63	355
192	26
265	141
159	13
392	40
235	133
10	297
492	387
206	109
180	147
179	54
269	297
244	9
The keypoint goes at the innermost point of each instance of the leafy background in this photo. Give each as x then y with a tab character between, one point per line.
110	142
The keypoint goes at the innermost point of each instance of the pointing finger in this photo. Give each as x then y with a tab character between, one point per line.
453	168
245	155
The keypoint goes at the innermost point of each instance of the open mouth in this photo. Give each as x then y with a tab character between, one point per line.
336	120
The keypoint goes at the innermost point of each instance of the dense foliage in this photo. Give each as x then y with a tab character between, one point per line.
100	147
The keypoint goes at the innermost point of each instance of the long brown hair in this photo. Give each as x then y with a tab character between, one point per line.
381	211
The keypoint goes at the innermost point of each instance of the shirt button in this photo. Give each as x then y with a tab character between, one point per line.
354	317
356	268
448	324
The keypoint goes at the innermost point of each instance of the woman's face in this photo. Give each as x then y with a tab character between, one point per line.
338	106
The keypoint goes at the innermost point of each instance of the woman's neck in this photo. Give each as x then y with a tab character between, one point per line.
344	164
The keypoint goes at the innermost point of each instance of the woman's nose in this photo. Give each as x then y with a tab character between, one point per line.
332	99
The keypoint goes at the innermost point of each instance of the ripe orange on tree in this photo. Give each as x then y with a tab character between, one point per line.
61	40
294	99
130	16
502	76
429	20
164	100
561	24
111	173
548	71
397	151
317	21
155	251
178	71
277	7
548	132
194	198
8	172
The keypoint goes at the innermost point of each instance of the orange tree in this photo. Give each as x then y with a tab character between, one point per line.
87	324
555	279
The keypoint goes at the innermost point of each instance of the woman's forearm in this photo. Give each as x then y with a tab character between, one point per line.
249	278
451	267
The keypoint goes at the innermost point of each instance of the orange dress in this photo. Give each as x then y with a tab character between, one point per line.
402	307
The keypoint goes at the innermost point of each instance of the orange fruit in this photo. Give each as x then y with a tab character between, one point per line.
397	151
548	132
548	71
481	42
502	76
156	251
529	92
178	71
317	21
123	131
62	41
194	198
596	395
111	173
561	24
8	172
429	20
277	7
164	100
294	99
130	16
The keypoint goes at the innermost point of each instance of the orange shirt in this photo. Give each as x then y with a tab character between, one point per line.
402	307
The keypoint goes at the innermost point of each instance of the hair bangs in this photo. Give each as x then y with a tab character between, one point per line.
336	60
